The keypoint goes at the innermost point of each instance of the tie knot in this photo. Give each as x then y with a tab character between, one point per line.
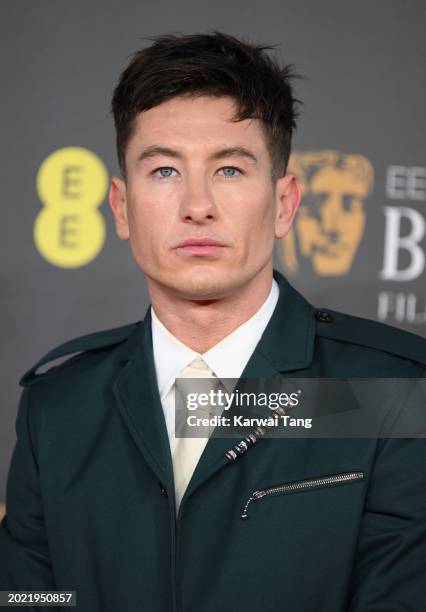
197	369
195	379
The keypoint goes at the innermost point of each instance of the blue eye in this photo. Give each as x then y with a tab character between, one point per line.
230	171
165	171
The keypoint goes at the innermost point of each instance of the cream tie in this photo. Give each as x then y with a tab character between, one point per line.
188	451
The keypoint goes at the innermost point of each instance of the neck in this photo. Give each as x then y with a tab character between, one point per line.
201	325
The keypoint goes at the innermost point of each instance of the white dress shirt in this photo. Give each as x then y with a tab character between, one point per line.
227	358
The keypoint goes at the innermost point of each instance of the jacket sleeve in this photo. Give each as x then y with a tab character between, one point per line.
24	553
390	565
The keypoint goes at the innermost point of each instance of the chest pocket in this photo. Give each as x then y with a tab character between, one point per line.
298	486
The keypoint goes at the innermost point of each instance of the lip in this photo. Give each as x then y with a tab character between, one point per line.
199	246
199	241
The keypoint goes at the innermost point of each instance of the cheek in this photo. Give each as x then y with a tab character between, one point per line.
257	223
143	226
258	204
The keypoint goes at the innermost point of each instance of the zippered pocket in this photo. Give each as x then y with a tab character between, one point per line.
303	485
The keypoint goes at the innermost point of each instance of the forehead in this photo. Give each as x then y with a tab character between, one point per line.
196	122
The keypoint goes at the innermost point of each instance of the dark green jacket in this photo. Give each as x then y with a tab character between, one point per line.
90	497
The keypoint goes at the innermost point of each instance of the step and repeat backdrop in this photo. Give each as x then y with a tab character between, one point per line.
359	241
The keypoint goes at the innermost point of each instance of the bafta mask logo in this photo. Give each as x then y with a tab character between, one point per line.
331	219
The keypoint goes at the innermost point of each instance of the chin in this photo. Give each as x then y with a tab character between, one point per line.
203	284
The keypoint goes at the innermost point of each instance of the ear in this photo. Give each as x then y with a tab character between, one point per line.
118	201
287	199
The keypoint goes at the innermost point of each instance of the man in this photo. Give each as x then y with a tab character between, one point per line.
96	500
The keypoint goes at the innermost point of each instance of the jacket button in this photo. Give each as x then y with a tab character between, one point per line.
323	316
163	491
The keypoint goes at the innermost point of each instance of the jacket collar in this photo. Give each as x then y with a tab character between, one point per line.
288	340
286	344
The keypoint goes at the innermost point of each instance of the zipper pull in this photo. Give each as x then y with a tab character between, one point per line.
256	495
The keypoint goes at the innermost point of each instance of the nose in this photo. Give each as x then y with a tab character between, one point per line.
197	205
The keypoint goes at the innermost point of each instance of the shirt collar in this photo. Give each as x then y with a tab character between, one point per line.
227	358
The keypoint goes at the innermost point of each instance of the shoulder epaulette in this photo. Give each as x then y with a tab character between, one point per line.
372	334
96	340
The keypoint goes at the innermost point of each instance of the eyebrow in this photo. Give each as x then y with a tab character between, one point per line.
155	150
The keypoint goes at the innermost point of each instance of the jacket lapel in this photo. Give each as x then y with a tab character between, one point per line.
136	392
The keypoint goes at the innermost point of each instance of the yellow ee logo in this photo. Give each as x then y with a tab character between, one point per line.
71	183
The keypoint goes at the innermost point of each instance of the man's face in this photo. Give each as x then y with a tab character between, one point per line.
199	205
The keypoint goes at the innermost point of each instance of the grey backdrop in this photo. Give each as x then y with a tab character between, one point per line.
364	95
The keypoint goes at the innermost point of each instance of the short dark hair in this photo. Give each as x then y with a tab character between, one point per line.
215	64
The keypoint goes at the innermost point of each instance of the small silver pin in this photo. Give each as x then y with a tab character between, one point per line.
247	442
